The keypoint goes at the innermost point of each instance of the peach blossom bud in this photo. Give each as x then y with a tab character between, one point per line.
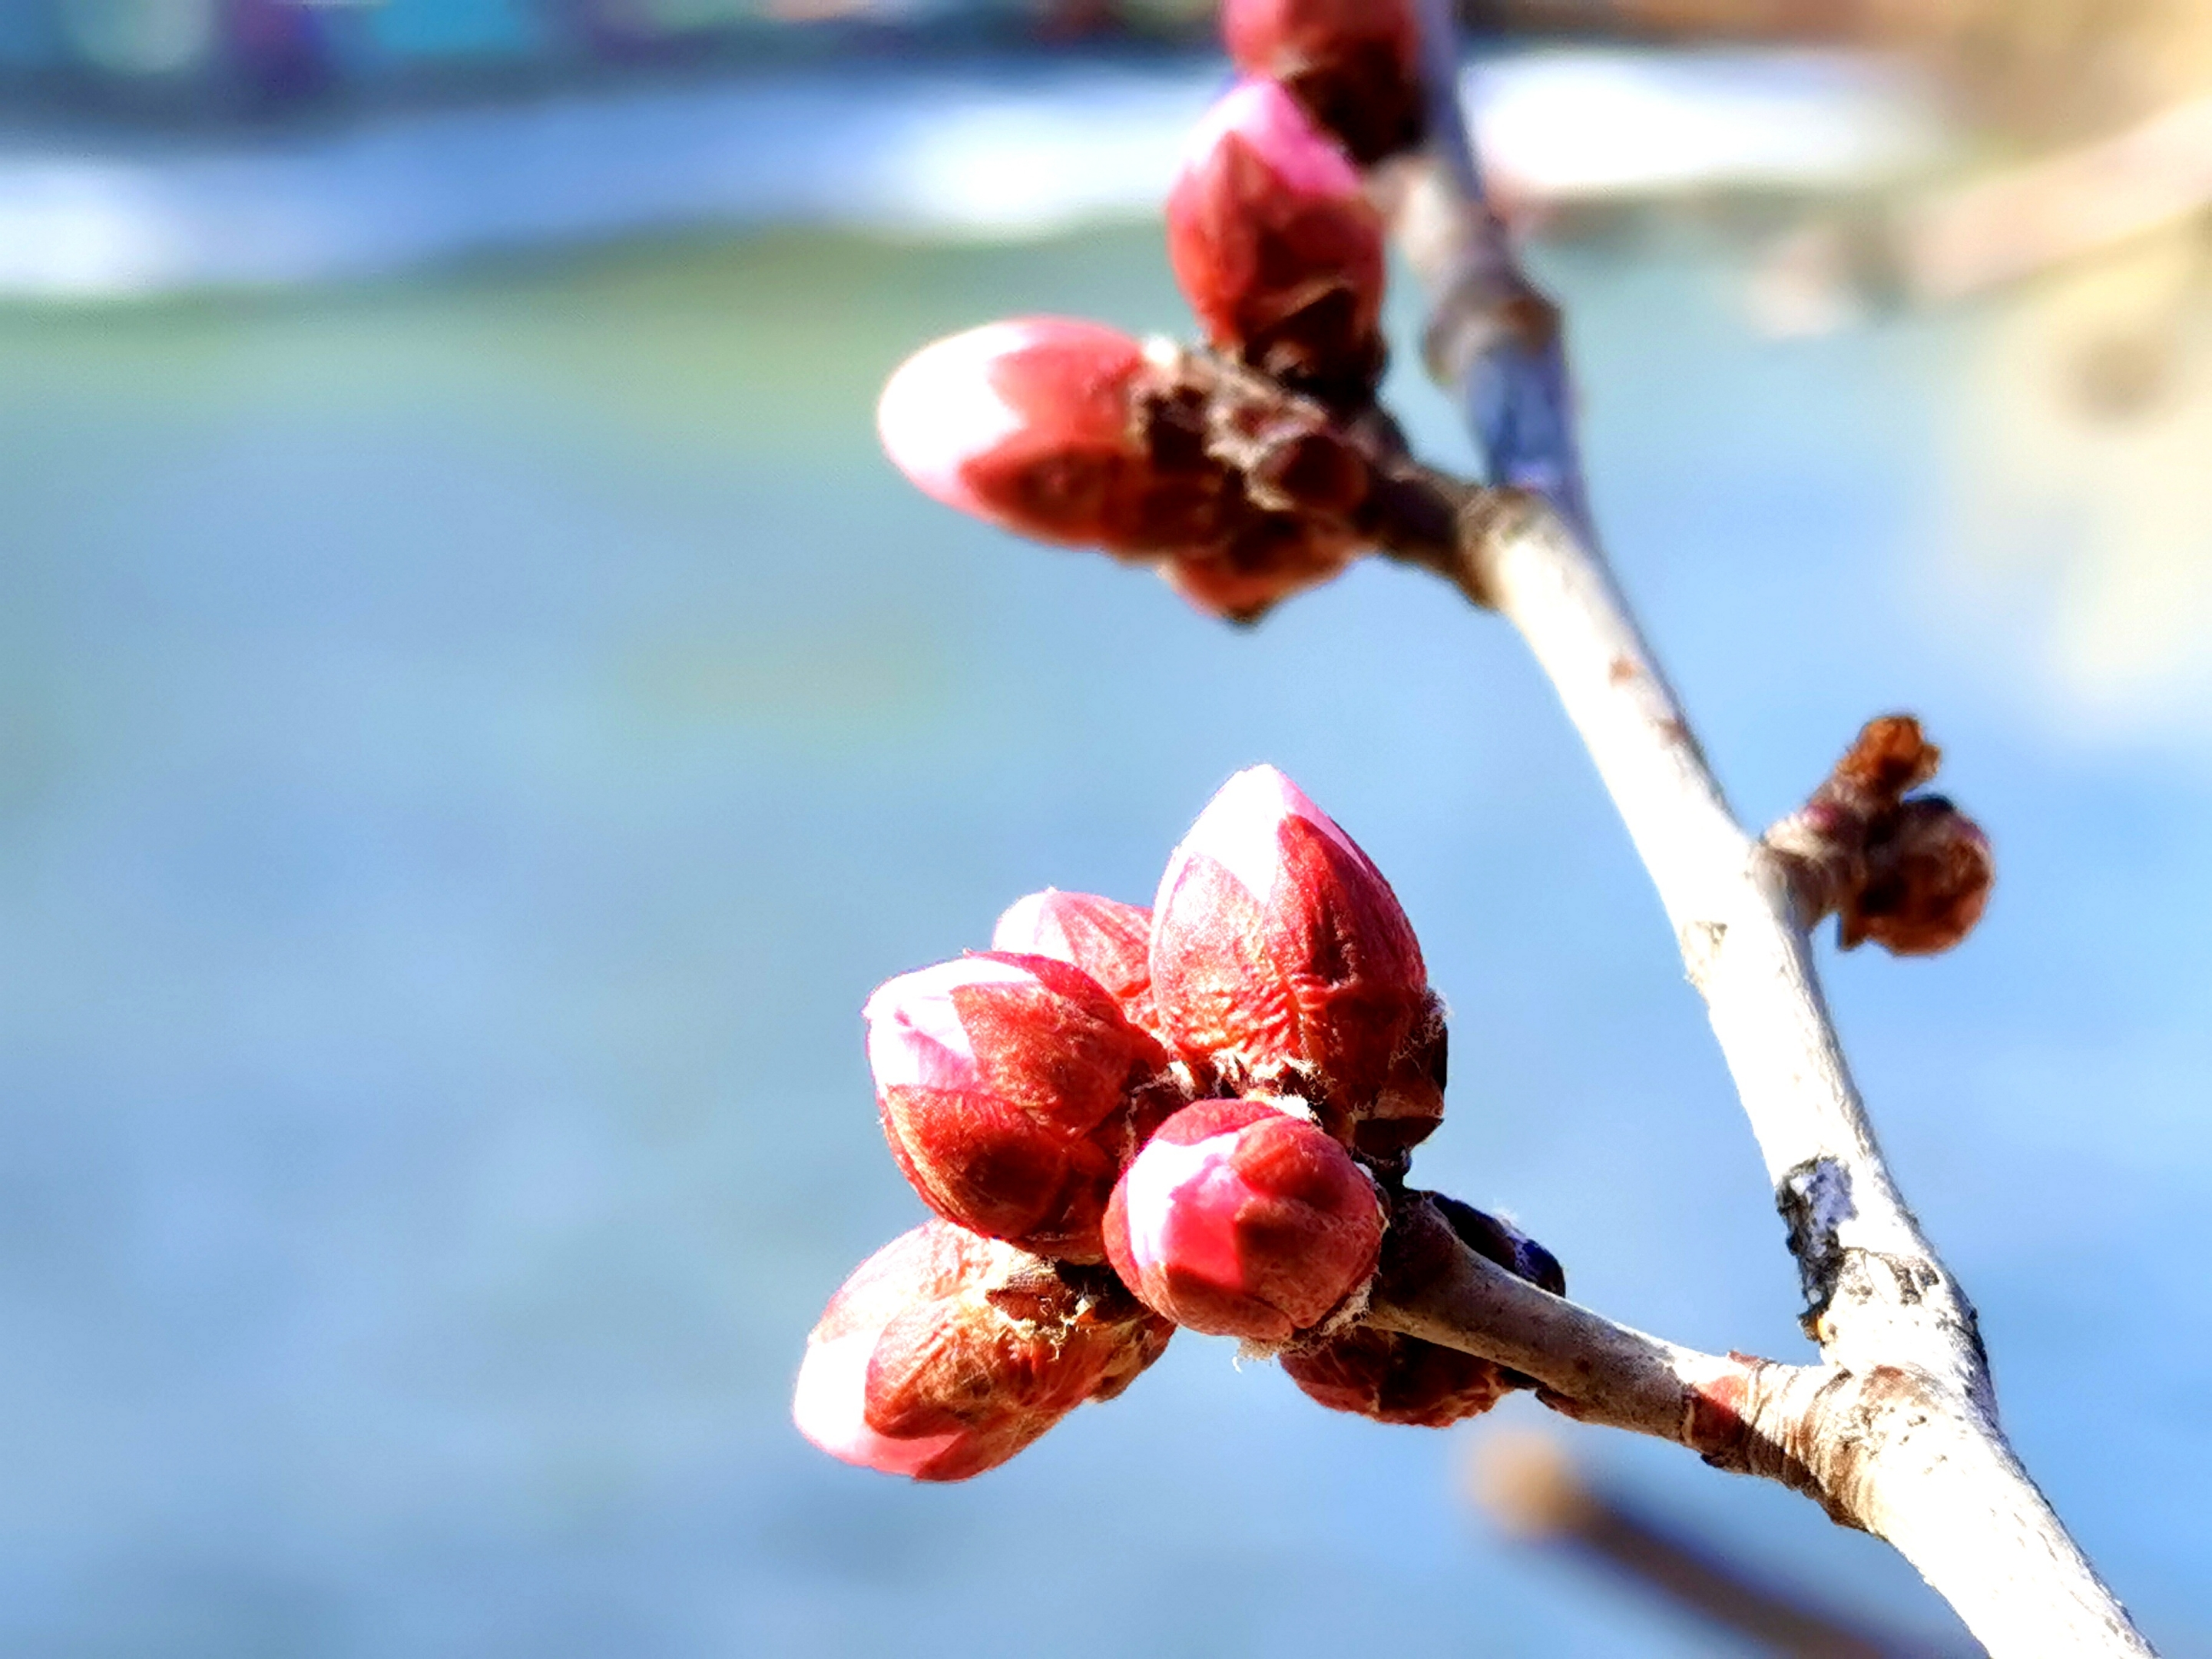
1280	952
1929	870
1402	1379
1276	246
1014	1092
1355	65
1108	940
1026	424
944	1354
1396	1379
1238	1219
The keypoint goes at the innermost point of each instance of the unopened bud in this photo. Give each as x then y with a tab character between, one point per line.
1014	1092
1025	423
1355	65
1402	1379
1929	872
1069	432
1274	244
944	1354
1238	1219
1108	940
1280	951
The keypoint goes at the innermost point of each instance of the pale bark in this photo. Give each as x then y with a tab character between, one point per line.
1896	1432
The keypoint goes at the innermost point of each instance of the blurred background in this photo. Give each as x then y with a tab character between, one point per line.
477	717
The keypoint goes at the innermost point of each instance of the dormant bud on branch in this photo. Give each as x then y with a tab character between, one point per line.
1280	951
1274	244
1014	1092
944	1354
1239	1219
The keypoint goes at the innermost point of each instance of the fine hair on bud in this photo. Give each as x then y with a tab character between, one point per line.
944	1354
1106	938
1280	951
1014	1092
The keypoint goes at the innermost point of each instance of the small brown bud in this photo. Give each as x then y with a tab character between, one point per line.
1929	874
1911	872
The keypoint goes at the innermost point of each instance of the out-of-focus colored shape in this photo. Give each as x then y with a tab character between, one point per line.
1580	123
2078	475
141	37
1528	1484
2014	222
1026	150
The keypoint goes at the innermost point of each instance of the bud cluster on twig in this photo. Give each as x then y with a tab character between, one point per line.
1261	465
1130	1120
1202	1115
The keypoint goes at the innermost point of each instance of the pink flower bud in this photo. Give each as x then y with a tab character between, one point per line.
1014	1092
1026	424
1110	941
1402	1379
1355	65
1276	246
1238	1219
944	1354
1280	952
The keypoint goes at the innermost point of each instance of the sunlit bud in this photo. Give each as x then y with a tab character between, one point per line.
1025	423
944	1354
1014	1092
1279	950
1402	1379
1108	940
1238	1219
1929	872
1355	65
1276	246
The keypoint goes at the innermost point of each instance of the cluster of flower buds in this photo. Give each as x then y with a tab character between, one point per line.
1239	490
1911	872
1128	1120
1243	475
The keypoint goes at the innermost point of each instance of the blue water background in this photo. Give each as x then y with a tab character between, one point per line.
468	747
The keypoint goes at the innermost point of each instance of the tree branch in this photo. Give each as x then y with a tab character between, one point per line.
1897	1432
1887	1448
